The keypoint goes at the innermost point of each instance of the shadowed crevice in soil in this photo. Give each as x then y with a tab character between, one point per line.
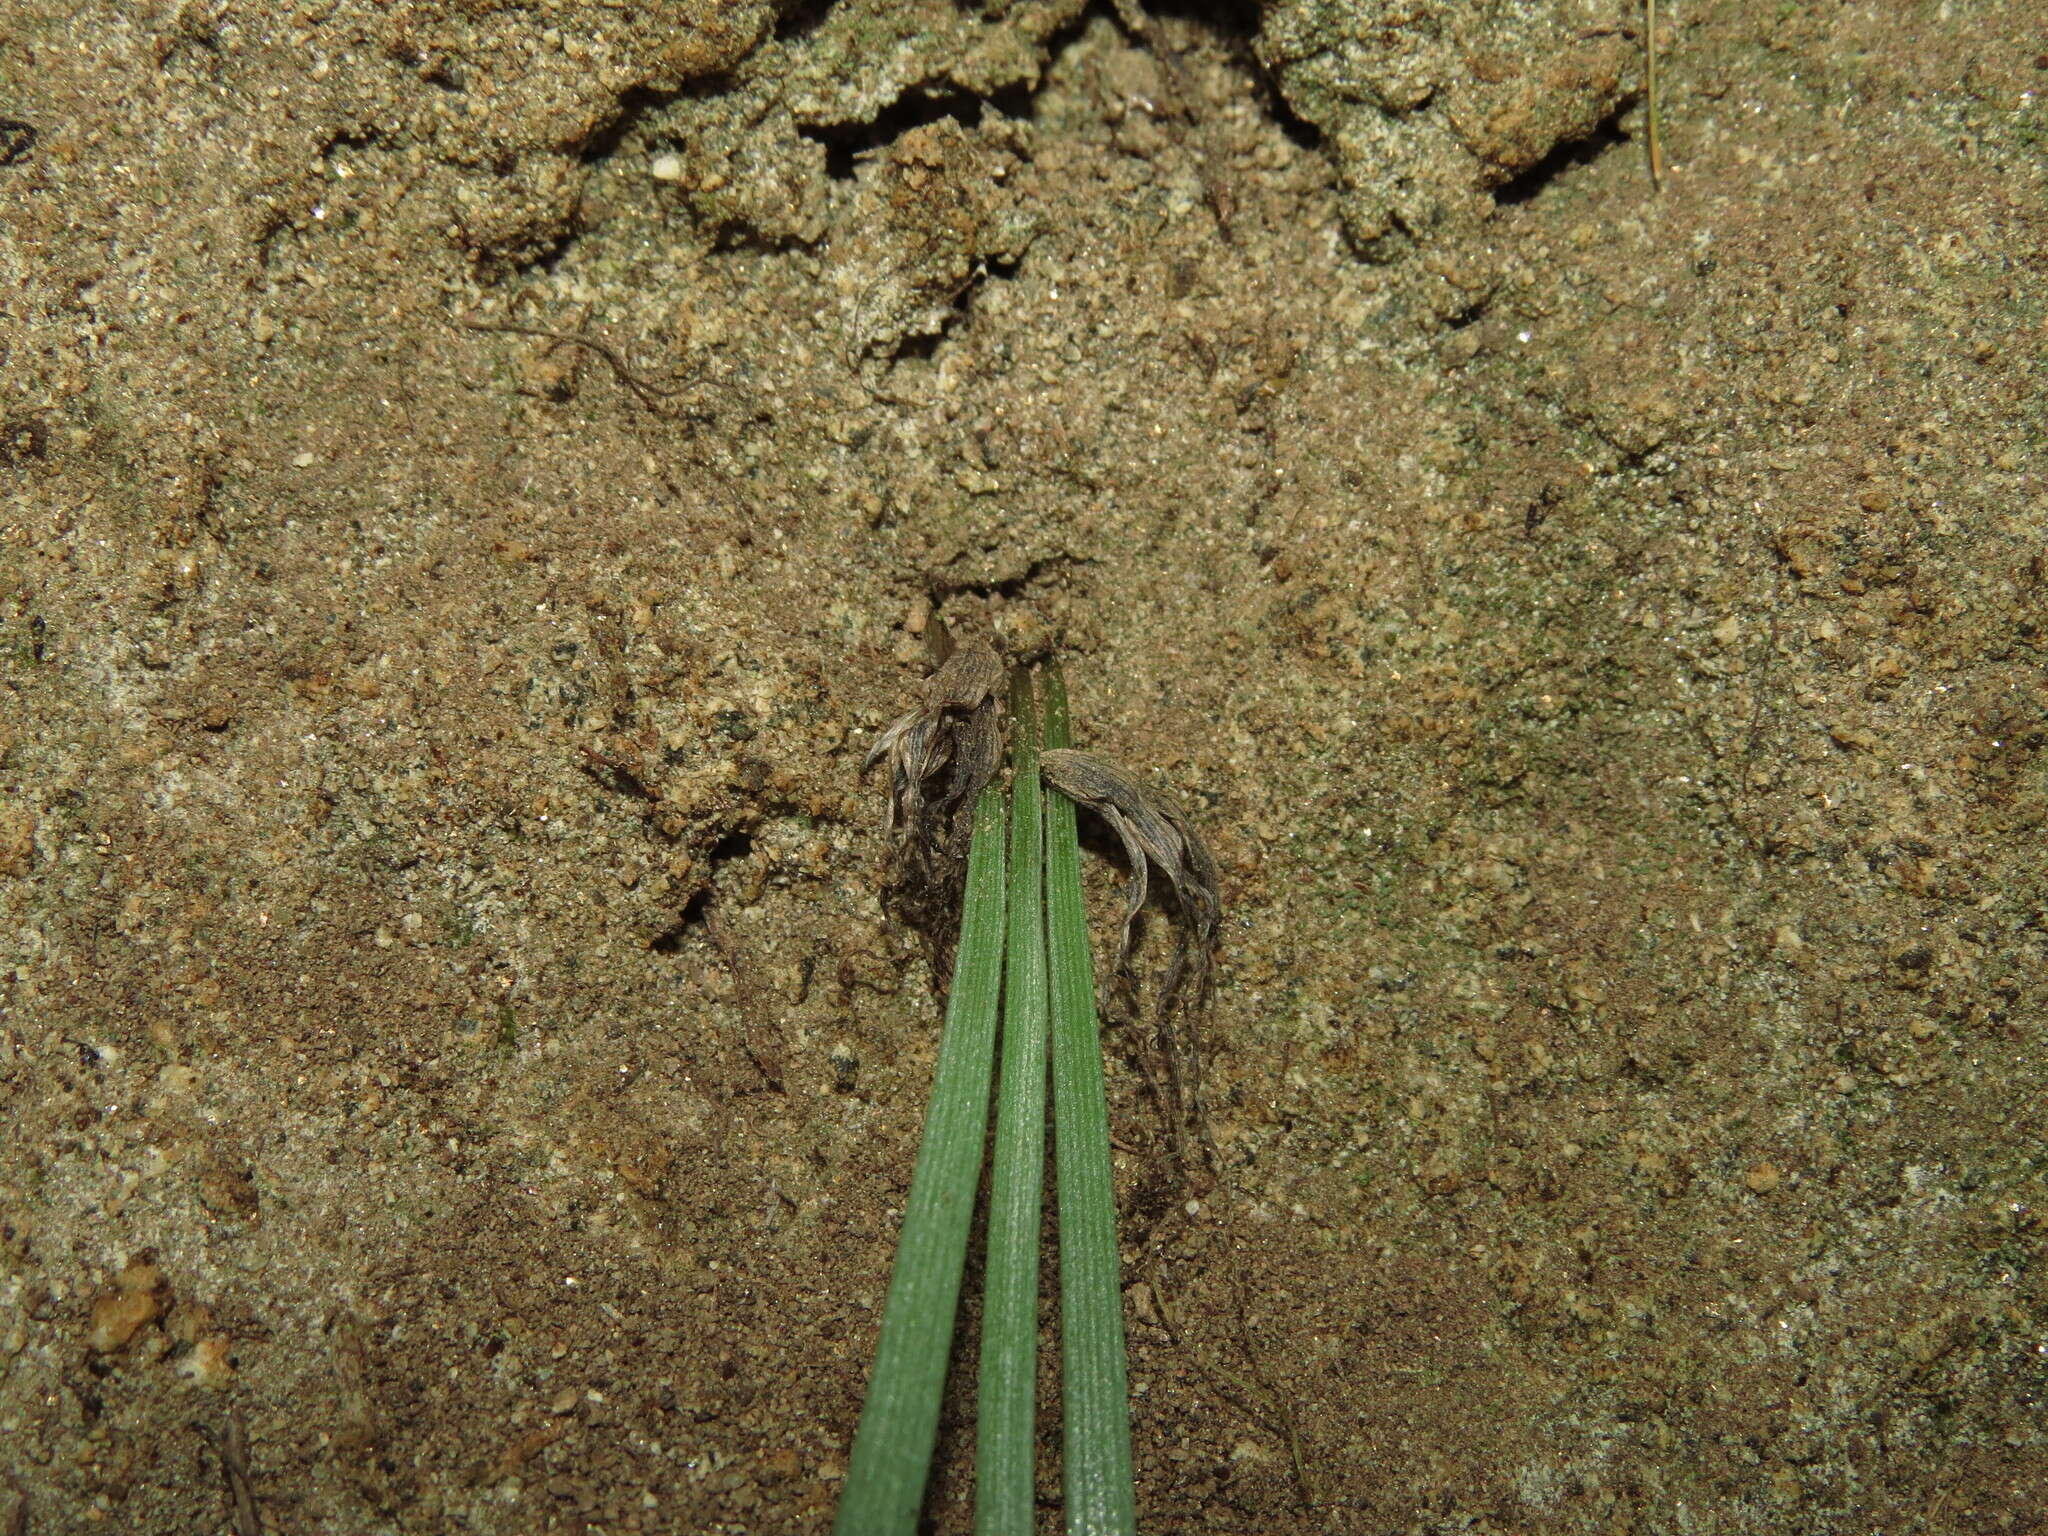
846	142
941	586
800	18
736	844
924	348
635	105
1569	155
1301	133
1233	25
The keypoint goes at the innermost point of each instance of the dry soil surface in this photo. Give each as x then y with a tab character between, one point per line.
476	476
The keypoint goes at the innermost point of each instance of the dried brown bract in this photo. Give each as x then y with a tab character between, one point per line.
940	756
1156	834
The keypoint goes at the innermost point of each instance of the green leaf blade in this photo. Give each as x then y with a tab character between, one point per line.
892	1449
1006	1430
1005	1502
1100	1497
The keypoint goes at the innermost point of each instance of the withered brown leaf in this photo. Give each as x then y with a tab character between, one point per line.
1156	834
940	755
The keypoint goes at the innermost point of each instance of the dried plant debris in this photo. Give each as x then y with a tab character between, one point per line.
1154	831
940	756
1156	834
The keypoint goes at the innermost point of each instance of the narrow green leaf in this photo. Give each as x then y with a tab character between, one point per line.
892	1449
1097	1422
1005	1443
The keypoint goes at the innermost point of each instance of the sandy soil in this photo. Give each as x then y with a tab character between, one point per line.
477	475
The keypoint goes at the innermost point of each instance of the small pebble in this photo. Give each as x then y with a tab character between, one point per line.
208	1365
118	1315
667	168
1762	1179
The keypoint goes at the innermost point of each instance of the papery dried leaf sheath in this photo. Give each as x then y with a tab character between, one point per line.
1155	833
956	708
940	755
